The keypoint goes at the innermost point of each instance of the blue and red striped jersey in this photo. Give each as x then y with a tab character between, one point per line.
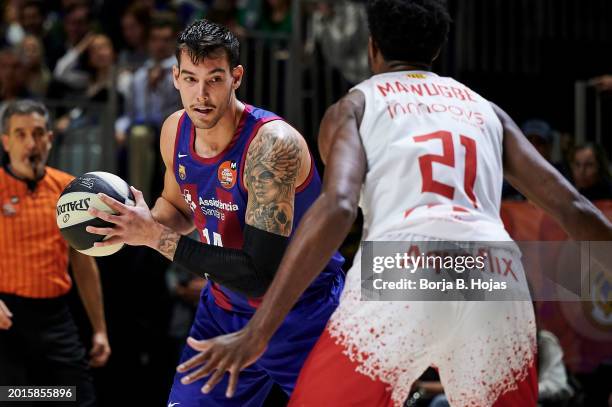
214	190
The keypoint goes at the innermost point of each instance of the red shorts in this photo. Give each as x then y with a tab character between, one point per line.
330	378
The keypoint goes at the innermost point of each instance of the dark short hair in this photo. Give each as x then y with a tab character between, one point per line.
24	107
408	30
205	39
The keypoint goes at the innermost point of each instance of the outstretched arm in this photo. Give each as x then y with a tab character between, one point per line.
326	224
321	231
542	184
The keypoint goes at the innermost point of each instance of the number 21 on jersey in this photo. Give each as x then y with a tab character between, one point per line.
448	159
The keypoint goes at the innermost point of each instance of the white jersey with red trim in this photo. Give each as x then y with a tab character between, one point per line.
434	155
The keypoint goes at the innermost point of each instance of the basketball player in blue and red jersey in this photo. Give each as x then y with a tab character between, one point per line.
244	178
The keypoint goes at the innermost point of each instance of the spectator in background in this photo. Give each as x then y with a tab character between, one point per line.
275	17
542	136
100	62
11	32
32	17
12	80
591	172
69	69
135	24
37	75
12	83
153	96
341	30
224	12
135	27
248	14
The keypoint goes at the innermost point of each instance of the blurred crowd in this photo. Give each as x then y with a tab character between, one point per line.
586	165
80	50
102	62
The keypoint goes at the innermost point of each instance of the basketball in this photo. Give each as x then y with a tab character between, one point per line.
72	210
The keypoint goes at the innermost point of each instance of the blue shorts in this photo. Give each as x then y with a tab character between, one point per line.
282	361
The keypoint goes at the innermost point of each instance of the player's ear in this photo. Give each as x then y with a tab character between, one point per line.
237	73
50	137
175	76
5	141
372	51
375	56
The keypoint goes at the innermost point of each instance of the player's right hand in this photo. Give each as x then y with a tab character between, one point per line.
5	316
226	353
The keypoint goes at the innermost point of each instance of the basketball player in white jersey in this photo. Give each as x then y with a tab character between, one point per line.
424	157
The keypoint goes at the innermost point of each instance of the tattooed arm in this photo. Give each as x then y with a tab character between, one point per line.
272	167
277	161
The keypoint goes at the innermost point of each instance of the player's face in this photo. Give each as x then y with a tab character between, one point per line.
585	169
207	89
262	181
27	143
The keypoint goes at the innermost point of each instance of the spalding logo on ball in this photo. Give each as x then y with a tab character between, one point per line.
82	194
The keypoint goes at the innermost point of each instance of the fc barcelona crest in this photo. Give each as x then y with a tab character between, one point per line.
182	172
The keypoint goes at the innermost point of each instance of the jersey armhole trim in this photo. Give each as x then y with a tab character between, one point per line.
179	128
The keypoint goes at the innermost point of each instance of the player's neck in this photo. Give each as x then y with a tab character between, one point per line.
211	142
399	66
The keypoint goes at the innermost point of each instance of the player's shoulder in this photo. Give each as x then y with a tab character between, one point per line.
350	105
168	132
278	131
170	126
353	101
277	138
172	121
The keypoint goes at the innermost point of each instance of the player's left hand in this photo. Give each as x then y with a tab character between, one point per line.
227	353
100	349
133	225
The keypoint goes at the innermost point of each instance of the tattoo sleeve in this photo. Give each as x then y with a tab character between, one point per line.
271	169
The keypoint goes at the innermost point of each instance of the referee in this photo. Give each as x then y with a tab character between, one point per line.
39	341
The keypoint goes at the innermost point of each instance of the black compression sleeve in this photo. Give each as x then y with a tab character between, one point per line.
249	271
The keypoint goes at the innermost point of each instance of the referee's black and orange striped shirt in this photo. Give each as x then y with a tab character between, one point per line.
33	254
